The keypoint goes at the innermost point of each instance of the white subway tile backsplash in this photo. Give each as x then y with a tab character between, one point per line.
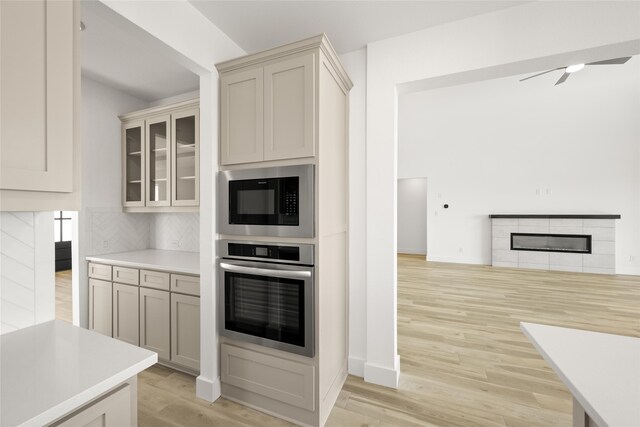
601	233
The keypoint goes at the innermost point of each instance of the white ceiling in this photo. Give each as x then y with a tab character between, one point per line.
350	25
114	55
117	58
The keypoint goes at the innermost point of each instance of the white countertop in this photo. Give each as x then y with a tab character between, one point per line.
153	259
50	369
602	371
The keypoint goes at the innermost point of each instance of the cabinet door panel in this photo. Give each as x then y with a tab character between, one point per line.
289	109
185	163
185	330
241	117
100	303
133	164
125	313
37	86
158	164
154	321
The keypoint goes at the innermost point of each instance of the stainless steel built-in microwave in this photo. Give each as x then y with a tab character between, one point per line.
276	201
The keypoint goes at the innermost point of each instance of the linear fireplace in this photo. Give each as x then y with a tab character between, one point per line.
565	243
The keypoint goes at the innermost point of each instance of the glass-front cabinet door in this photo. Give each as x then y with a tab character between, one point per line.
133	163
185	172
158	161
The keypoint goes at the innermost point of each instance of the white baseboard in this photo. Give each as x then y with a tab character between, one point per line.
412	251
207	389
458	260
629	271
356	366
384	376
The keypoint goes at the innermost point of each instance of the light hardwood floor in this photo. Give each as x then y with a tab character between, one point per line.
464	361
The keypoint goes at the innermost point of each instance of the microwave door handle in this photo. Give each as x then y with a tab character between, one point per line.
287	274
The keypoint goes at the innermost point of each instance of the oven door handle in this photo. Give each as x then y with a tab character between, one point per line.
287	274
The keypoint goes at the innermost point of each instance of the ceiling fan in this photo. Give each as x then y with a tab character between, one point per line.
577	67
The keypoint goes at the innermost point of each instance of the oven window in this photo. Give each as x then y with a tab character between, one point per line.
269	201
265	307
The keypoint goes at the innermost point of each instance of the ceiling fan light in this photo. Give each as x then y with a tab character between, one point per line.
574	68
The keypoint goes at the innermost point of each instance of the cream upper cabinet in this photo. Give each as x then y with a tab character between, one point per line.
288	96
133	167
161	159
158	165
267	112
241	117
185	159
39	95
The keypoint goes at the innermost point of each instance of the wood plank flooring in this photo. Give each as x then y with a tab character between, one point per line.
464	360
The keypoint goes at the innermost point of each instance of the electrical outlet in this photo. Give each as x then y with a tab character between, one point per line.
460	250
538	191
105	244
632	258
175	244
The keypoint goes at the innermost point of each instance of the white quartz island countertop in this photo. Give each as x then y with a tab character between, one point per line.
153	259
50	369
602	371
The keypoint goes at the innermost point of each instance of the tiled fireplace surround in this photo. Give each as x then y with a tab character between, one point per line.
600	227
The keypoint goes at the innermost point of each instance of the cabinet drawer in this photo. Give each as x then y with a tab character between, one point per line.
99	271
284	380
154	279
112	410
185	284
125	275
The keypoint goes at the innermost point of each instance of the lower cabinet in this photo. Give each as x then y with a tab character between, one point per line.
164	321
112	410
100	306
185	330
125	313
155	325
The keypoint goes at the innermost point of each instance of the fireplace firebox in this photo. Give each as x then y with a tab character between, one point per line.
565	243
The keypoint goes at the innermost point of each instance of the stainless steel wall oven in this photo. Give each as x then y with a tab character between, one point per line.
266	294
276	201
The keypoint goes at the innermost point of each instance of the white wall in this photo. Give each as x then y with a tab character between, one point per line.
530	37
355	63
27	269
102	227
490	147
412	216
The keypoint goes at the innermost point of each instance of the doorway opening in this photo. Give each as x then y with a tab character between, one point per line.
412	216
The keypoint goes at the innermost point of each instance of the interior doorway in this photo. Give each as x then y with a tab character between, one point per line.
412	216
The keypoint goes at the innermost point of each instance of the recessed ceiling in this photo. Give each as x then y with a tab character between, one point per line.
350	25
115	57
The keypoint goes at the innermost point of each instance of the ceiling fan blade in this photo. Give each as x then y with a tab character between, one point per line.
611	61
539	74
562	78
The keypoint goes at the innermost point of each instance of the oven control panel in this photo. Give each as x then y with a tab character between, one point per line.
288	253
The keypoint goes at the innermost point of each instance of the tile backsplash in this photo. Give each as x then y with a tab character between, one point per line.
175	231
112	231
